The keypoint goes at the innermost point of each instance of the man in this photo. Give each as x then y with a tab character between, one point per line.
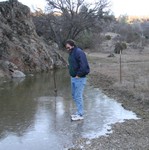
78	69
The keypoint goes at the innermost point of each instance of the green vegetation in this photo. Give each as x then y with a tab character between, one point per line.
120	46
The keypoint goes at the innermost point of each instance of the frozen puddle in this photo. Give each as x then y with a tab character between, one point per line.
32	118
101	113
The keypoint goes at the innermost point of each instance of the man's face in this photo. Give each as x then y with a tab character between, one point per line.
69	47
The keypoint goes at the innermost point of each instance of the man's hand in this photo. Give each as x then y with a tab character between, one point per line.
77	77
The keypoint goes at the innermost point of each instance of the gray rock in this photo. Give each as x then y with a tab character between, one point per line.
18	74
111	55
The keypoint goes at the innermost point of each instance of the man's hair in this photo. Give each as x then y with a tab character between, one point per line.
70	42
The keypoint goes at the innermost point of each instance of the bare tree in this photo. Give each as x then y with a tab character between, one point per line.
69	18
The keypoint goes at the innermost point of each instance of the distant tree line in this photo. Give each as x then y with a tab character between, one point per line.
132	31
84	22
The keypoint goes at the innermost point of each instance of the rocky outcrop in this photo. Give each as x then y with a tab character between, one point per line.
19	43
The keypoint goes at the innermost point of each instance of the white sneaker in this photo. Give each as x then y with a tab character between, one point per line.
73	116
77	117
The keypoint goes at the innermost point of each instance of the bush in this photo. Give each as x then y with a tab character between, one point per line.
108	37
85	40
124	45
120	46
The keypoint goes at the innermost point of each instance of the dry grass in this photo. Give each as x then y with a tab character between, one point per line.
135	71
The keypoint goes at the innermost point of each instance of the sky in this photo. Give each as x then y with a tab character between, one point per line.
131	7
119	7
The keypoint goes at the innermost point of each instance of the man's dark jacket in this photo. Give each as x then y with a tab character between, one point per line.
78	64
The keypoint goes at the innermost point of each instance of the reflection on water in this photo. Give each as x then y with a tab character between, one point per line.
32	117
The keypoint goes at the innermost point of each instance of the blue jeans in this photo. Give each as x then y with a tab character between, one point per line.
77	87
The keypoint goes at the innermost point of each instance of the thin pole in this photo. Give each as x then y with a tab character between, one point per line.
120	66
55	94
54	78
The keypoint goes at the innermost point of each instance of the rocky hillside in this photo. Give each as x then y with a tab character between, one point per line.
20	47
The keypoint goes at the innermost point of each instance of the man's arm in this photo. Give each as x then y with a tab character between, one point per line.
82	60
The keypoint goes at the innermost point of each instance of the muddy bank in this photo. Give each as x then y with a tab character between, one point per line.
132	134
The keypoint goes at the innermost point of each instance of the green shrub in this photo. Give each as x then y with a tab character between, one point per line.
108	37
124	45
85	40
120	46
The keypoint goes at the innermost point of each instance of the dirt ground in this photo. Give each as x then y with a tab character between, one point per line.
133	93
